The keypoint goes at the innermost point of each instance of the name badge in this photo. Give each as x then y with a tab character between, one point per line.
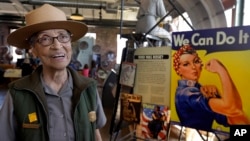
92	116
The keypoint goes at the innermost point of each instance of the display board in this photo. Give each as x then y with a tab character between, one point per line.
152	82
152	79
223	55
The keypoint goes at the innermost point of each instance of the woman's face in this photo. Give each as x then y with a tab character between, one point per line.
57	55
190	67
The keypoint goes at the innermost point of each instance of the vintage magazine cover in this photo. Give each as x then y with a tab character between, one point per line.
127	76
131	107
209	90
154	122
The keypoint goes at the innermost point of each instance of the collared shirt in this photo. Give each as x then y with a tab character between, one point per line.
60	119
193	109
59	106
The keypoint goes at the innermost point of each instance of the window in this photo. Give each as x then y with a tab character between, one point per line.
121	43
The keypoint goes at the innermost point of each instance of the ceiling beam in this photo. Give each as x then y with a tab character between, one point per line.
105	23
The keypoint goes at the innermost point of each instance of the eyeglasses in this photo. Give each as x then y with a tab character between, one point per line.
48	40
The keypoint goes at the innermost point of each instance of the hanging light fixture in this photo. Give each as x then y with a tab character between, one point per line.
76	15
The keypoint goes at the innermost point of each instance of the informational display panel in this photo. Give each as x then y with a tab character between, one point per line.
152	79
152	82
209	90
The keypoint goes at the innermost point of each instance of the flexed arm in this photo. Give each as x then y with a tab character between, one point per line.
229	103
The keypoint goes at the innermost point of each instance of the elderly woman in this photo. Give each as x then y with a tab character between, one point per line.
54	103
198	106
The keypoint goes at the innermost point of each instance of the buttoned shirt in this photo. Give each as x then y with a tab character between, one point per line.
60	117
193	109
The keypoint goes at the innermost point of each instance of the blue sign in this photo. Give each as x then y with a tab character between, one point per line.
214	40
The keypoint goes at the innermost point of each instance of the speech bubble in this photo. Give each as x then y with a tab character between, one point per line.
214	40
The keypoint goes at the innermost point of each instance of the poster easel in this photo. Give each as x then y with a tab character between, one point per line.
127	56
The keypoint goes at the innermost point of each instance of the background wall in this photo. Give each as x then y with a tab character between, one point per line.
106	40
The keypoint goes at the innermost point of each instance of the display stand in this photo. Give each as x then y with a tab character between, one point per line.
134	41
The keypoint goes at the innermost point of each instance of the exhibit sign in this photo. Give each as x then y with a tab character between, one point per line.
152	79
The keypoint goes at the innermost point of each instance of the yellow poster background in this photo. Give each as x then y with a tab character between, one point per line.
238	66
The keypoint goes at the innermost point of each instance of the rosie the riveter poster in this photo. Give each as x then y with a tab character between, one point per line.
210	78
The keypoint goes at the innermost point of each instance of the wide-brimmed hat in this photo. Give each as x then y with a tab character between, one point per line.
43	18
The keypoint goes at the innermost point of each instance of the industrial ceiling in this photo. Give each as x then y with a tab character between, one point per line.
203	13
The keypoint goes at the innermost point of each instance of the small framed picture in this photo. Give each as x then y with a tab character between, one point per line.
127	76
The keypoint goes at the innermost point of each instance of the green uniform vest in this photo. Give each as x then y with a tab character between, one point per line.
29	97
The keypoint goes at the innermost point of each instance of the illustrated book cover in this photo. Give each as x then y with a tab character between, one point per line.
131	107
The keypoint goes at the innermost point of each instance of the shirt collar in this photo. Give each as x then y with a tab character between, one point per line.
48	90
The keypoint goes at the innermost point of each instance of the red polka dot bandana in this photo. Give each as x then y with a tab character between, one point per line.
185	49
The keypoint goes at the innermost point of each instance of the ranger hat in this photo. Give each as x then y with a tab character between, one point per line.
44	18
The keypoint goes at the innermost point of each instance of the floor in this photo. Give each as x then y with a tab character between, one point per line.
125	134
